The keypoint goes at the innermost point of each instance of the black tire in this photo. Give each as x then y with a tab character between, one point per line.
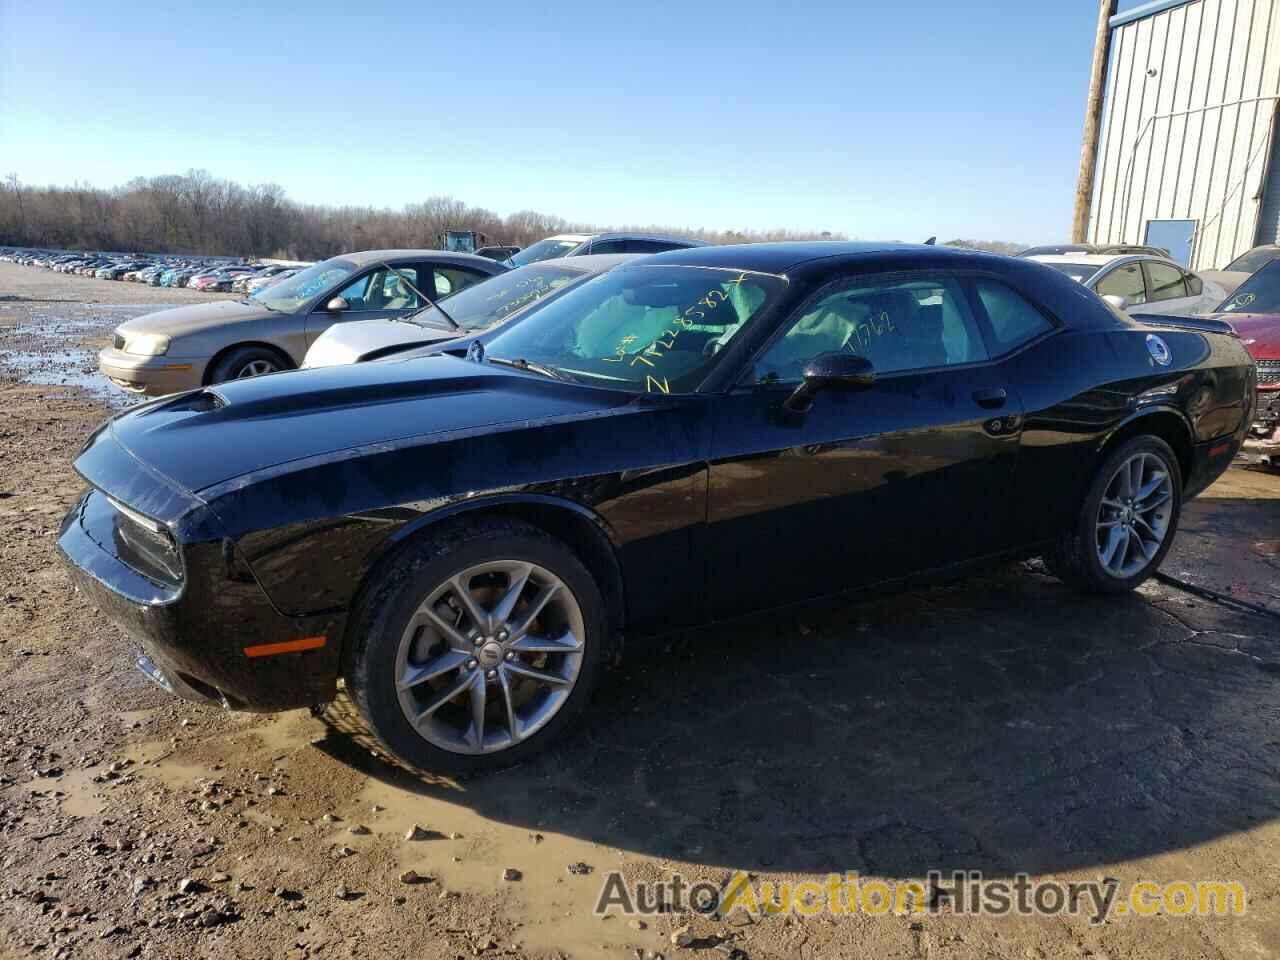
1075	559
234	365
398	588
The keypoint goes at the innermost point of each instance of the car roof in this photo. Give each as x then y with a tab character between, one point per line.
592	262
1098	260
1089	259
362	257
576	237
779	257
1067	247
633	235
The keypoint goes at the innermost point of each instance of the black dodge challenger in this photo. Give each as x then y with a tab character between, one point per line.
465	538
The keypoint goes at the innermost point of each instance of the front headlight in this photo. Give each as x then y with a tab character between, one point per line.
146	344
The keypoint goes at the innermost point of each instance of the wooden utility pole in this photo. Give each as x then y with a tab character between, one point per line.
1092	121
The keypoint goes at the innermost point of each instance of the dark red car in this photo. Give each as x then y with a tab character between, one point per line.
1254	311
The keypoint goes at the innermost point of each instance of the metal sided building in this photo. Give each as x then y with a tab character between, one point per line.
1189	154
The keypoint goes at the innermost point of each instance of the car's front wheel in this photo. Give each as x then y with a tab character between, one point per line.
243	362
1127	522
475	647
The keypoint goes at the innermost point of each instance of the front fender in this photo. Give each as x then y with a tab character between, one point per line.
636	478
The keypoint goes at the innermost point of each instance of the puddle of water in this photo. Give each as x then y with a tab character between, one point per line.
81	796
53	328
65	367
58	349
274	738
553	905
130	717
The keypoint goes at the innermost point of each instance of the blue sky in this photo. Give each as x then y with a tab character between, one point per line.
885	120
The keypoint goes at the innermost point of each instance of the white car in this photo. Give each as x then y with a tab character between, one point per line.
1137	283
466	313
590	244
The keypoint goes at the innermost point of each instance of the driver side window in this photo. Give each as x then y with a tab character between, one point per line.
898	325
382	289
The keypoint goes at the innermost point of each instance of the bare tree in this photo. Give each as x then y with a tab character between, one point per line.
196	212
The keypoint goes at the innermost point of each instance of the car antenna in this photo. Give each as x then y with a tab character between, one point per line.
452	322
932	241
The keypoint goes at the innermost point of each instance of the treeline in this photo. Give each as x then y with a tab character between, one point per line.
199	213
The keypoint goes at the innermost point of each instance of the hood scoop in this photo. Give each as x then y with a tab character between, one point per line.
202	401
237	428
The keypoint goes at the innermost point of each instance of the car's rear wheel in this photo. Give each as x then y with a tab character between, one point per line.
475	647
1127	522
243	362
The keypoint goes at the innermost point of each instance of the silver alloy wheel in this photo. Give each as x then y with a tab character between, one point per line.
256	368
490	656
1133	518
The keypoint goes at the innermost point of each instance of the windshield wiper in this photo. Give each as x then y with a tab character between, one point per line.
413	318
452	322
520	363
249	302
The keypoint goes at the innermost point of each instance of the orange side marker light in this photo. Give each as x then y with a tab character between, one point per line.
285	646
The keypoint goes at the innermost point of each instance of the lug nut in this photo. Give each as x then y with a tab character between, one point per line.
492	674
502	635
510	655
472	664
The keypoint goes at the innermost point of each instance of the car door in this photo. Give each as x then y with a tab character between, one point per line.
910	474
1167	290
379	292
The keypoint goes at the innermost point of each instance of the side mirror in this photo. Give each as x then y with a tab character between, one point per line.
337	305
1117	301
830	371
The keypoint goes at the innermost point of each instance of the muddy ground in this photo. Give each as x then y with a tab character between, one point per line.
1004	724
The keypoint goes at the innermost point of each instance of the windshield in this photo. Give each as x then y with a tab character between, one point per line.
1254	260
648	329
483	304
291	295
1079	272
1259	294
544	250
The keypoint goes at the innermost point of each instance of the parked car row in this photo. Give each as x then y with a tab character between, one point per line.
289	310
486	478
199	273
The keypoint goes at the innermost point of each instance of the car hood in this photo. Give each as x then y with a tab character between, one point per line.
235	429
198	316
348	342
1259	332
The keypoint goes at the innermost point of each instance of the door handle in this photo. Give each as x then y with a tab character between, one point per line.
990	399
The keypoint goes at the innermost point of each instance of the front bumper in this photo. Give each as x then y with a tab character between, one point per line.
153	376
202	638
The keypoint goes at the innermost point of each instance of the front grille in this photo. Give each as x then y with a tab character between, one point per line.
1268	373
118	342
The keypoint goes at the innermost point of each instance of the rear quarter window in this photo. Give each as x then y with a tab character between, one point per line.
1014	320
